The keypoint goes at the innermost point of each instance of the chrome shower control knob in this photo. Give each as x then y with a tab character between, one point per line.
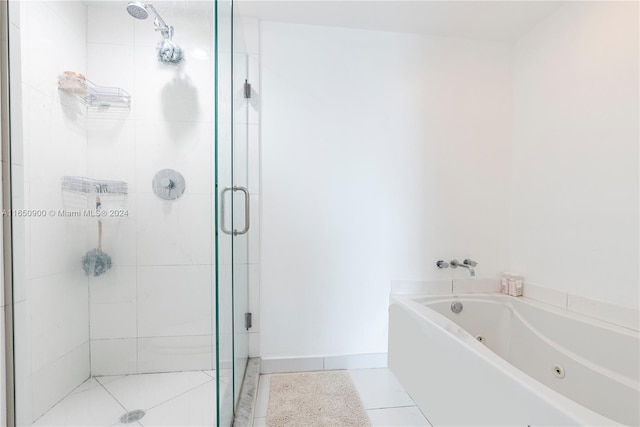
167	183
442	264
469	262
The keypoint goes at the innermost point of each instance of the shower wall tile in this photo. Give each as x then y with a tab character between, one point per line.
174	301
54	330
57	379
22	352
49	51
163	252
193	26
174	232
57	243
114	356
15	70
183	146
109	23
170	93
14	12
119	286
118	233
54	132
115	320
168	354
105	65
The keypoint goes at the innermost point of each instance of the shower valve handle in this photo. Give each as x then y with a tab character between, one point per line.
442	264
469	262
167	183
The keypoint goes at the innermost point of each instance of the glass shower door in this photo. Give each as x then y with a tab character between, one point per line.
233	207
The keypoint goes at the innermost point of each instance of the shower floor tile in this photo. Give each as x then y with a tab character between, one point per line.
88	405
145	391
169	399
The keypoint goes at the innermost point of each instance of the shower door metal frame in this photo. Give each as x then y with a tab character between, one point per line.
7	223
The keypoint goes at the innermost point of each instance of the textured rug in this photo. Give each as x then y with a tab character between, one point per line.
310	399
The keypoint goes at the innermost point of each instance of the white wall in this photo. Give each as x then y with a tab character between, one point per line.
381	154
574	187
153	311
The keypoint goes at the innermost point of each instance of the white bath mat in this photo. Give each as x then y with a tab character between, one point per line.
315	399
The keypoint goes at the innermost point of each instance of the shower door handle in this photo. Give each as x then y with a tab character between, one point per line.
247	211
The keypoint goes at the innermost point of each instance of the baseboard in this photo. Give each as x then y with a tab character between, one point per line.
272	365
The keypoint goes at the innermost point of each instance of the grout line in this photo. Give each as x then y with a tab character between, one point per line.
205	372
112	396
65	397
180	394
391	407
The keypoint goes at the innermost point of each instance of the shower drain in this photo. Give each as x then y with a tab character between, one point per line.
132	417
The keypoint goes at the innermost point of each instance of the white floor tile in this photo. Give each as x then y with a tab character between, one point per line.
262	400
193	408
400	417
88	405
148	390
212	374
379	388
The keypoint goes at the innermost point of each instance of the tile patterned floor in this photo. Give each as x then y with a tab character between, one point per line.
169	399
188	399
386	402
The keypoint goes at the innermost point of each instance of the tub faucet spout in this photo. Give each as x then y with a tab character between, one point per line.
455	264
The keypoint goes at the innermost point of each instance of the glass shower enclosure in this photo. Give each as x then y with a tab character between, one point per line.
128	216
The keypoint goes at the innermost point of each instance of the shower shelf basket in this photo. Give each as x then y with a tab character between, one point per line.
79	192
92	95
79	184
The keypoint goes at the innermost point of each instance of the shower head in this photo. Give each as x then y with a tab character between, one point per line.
138	10
141	10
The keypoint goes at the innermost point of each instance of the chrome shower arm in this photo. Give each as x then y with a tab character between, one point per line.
160	24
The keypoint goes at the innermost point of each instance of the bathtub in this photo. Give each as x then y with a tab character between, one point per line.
512	361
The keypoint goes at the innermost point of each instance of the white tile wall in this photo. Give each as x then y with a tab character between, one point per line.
157	306
112	151
174	232
174	301
57	379
56	331
105	24
183	146
166	354
114	356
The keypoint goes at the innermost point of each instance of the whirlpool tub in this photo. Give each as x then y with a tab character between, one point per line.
512	361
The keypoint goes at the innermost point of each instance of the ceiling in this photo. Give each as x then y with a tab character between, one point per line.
483	20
